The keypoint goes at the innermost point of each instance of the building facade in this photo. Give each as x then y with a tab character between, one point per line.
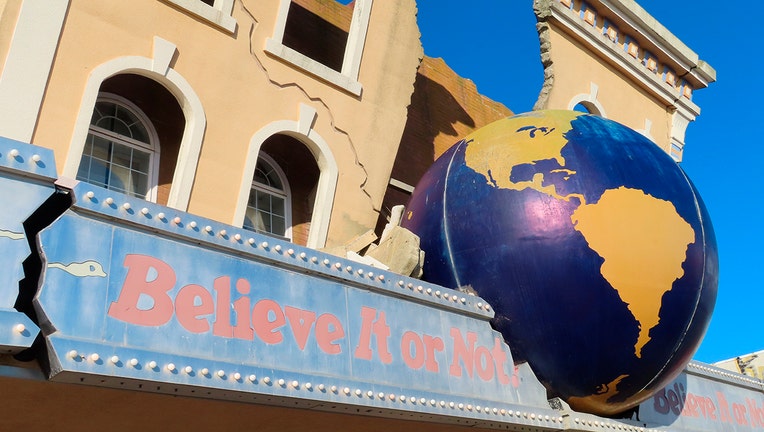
174	172
214	86
637	72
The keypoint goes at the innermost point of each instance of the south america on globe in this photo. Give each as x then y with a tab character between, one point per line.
589	241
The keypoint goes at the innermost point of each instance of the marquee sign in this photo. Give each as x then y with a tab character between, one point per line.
26	181
698	400
141	292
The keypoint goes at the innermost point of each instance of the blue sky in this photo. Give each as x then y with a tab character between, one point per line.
494	43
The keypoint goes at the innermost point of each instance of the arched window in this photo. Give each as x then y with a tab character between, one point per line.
121	150
269	206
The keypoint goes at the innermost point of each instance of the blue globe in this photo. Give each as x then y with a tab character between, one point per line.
591	244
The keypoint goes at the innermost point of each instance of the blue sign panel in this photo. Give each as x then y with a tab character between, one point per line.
143	292
705	397
26	181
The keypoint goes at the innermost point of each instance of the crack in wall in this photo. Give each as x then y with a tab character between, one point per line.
293	85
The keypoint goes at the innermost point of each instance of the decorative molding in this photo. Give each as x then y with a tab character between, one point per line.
219	14
646	130
327	180
351	64
308	117
679	122
163	52
589	100
601	44
317	69
347	79
26	71
401	185
193	133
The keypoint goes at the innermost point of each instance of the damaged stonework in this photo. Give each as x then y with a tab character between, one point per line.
397	249
542	11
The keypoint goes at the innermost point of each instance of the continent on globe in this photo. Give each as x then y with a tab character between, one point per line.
628	229
495	154
590	243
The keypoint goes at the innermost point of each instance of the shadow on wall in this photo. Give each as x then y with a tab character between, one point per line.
444	108
431	120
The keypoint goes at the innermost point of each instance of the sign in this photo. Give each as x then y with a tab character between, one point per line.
138	291
26	181
699	400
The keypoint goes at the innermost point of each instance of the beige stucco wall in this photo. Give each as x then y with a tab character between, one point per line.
9	11
577	67
243	89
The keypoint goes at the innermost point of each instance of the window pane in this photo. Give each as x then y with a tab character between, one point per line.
278	225
263	201
140	184
100	148
84	169
265	174
121	155
98	173
266	218
88	149
117	163
260	176
277	205
267	207
141	161
119	178
253	220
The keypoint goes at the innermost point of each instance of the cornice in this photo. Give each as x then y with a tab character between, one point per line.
661	39
612	53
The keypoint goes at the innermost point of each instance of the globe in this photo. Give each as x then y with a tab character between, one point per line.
590	243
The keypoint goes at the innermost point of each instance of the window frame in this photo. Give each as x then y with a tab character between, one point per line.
286	193
152	147
347	78
219	14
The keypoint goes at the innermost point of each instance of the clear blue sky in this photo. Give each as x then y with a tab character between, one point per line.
494	43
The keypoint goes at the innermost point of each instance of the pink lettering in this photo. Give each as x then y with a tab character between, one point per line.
137	283
301	322
328	331
188	313
381	331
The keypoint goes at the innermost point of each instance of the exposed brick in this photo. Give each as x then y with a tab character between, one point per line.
444	108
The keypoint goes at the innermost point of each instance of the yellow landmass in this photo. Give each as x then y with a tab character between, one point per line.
495	149
598	400
643	241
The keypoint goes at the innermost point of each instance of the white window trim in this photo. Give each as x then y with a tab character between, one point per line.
157	69
589	100
153	145
286	192
327	180
219	14
24	75
347	79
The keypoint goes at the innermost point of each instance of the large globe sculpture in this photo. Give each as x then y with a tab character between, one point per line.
590	243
